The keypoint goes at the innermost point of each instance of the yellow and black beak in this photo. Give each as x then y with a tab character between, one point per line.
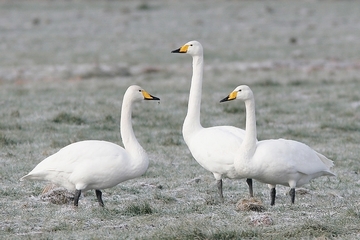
183	49
147	96
231	96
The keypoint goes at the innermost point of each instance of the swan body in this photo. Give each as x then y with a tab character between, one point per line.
94	164
275	161
290	163
221	162
214	147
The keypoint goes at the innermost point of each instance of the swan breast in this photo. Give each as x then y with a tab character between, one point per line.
214	148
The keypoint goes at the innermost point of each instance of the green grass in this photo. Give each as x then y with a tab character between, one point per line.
64	69
68	118
138	209
5	140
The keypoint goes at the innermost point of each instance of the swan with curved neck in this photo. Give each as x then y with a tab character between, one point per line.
275	161
213	148
94	164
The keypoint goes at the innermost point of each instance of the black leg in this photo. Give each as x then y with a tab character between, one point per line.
250	184
98	196
76	197
292	195
272	196
219	185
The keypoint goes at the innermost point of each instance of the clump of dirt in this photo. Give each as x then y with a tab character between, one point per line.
56	195
302	191
250	204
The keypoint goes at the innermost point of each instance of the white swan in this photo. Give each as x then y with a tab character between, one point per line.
280	161
214	147
93	164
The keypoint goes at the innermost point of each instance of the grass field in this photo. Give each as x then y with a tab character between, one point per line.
65	65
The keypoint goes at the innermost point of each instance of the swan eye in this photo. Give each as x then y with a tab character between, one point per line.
139	90
190	45
239	90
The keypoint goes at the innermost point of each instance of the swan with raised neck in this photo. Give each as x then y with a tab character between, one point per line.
213	147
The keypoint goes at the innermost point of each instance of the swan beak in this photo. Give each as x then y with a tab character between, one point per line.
183	49
147	96
231	96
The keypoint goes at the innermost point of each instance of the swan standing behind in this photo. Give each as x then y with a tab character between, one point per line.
214	147
93	164
280	161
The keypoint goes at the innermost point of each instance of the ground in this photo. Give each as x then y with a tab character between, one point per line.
65	65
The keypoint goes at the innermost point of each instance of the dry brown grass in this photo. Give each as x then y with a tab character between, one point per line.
250	204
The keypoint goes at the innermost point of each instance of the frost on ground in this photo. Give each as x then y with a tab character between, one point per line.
86	71
261	220
76	58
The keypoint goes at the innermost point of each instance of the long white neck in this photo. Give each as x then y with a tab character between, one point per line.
248	146
192	120
131	145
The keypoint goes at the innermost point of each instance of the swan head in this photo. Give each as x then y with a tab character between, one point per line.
136	93
194	48
242	92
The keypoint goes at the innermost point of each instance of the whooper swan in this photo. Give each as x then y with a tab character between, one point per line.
214	147
275	161
93	164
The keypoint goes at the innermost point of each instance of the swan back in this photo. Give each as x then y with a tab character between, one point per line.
290	156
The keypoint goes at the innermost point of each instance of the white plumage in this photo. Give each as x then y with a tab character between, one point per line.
214	147
94	164
275	161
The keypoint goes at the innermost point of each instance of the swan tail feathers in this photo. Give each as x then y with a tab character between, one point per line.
329	173
34	176
30	177
23	178
329	163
